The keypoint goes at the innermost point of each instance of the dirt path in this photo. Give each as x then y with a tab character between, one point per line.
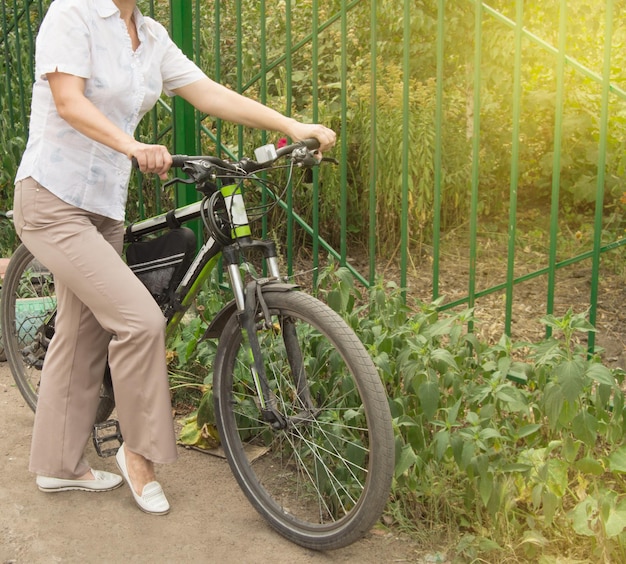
211	521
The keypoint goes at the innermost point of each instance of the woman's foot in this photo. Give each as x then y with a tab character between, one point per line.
92	481
140	470
146	490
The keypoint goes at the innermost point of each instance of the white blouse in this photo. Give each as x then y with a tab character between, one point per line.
89	39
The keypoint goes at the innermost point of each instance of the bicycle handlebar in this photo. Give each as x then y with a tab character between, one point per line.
303	150
311	144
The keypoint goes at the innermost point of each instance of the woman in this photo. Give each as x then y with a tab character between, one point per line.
100	66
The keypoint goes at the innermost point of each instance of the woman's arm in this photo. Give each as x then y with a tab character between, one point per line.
76	109
218	101
206	95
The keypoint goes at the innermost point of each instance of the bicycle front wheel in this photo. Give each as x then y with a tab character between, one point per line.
322	477
28	309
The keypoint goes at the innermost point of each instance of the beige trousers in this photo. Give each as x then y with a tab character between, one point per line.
103	309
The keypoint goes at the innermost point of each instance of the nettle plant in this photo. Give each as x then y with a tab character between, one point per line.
500	449
509	445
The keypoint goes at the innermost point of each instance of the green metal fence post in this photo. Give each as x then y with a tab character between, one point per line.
288	103
217	68
602	147
18	62
556	166
7	75
438	184
184	113
343	202
240	63
406	143
515	151
478	21
373	154
315	97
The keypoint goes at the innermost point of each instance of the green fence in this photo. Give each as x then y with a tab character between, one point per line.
481	144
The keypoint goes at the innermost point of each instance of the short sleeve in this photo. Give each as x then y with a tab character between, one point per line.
177	70
63	41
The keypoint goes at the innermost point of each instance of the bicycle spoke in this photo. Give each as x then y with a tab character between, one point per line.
315	471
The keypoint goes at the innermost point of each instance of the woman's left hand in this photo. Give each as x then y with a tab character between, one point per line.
327	137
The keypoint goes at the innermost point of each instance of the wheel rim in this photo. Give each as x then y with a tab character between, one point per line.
315	471
29	303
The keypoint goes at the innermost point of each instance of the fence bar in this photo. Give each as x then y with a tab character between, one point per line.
343	205
239	79
556	161
478	19
18	62
406	140
217	65
288	102
315	118
373	154
263	100
197	51
514	179
441	13
153	117
31	38
7	59
184	113
604	121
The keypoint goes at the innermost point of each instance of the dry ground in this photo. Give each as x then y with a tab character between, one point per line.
210	521
572	289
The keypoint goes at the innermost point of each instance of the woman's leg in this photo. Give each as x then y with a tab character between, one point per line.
69	390
100	299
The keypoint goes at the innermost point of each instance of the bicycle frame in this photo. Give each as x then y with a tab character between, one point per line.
210	253
207	258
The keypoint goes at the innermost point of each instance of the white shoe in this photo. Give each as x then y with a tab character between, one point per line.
152	499
102	482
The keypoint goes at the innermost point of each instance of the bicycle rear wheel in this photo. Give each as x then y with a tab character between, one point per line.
323	479
28	306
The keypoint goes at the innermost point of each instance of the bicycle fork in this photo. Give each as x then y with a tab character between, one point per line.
253	315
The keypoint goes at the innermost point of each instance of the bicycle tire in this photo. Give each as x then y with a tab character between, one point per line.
27	304
319	489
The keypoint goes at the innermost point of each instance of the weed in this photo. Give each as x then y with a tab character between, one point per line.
496	451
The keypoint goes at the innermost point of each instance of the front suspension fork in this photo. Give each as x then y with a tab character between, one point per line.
248	299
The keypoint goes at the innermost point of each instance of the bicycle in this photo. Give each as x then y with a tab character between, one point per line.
291	378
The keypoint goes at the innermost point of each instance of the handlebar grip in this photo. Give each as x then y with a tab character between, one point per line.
179	160
311	143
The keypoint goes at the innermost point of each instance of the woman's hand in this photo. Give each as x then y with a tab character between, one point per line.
150	158
299	131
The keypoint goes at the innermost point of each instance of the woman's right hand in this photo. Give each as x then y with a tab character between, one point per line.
150	158
76	109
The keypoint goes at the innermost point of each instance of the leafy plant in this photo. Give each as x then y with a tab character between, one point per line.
498	446
190	361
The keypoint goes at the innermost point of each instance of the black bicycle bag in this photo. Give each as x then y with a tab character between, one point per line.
161	262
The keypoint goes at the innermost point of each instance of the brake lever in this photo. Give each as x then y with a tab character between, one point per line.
175	180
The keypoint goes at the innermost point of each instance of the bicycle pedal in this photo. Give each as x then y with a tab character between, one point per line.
105	437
